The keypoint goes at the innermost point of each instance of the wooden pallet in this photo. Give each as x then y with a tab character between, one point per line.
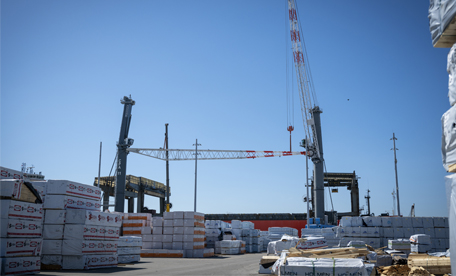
448	37
434	265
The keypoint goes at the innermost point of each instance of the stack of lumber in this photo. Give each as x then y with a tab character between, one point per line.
434	265
399	270
347	252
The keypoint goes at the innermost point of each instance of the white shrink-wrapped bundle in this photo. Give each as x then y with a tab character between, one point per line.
236	224
451	68
89	217
126	259
20	265
70	202
81	231
6	173
82	247
89	261
20	210
387	222
54	216
20	228
53	231
51	260
129	241
449	140
450	182
66	187
10	247
52	247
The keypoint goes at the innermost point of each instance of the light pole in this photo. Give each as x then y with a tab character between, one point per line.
395	169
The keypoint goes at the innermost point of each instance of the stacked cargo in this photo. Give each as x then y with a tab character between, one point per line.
276	233
179	234
129	249
140	225
329	234
264	236
214	229
377	231
21	221
77	235
229	247
420	243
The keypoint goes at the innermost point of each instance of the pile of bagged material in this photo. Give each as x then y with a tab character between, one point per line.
178	234
129	249
20	226
77	235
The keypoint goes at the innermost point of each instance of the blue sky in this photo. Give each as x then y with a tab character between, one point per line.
216	71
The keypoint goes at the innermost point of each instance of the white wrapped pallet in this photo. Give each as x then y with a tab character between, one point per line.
82	247
126	259
449	140
20	228
451	68
236	224
450	182
6	173
89	261
51	260
129	241
129	250
324	266
83	232
20	210
89	217
11	247
17	189
53	231
66	187
54	216
70	202
52	247
20	265
387	222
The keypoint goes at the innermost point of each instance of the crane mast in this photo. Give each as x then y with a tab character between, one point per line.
309	109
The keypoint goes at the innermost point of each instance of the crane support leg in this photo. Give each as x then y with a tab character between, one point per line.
319	176
131	204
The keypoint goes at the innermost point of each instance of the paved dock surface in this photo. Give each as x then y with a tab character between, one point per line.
241	265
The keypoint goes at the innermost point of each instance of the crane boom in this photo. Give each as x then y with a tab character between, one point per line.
189	154
309	109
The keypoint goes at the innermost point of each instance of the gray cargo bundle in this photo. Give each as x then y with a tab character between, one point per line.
441	13
451	69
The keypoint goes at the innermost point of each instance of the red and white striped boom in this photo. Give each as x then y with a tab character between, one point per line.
189	154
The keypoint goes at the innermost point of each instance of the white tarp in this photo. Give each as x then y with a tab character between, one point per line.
287	242
449	139
451	68
440	14
451	201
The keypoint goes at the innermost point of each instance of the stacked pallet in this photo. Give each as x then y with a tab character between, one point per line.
179	234
21	220
139	225
129	249
264	236
77	235
276	233
230	247
377	231
214	233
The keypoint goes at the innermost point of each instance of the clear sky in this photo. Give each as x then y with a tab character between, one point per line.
216	72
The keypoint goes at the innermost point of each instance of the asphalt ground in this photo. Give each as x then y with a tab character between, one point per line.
241	265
